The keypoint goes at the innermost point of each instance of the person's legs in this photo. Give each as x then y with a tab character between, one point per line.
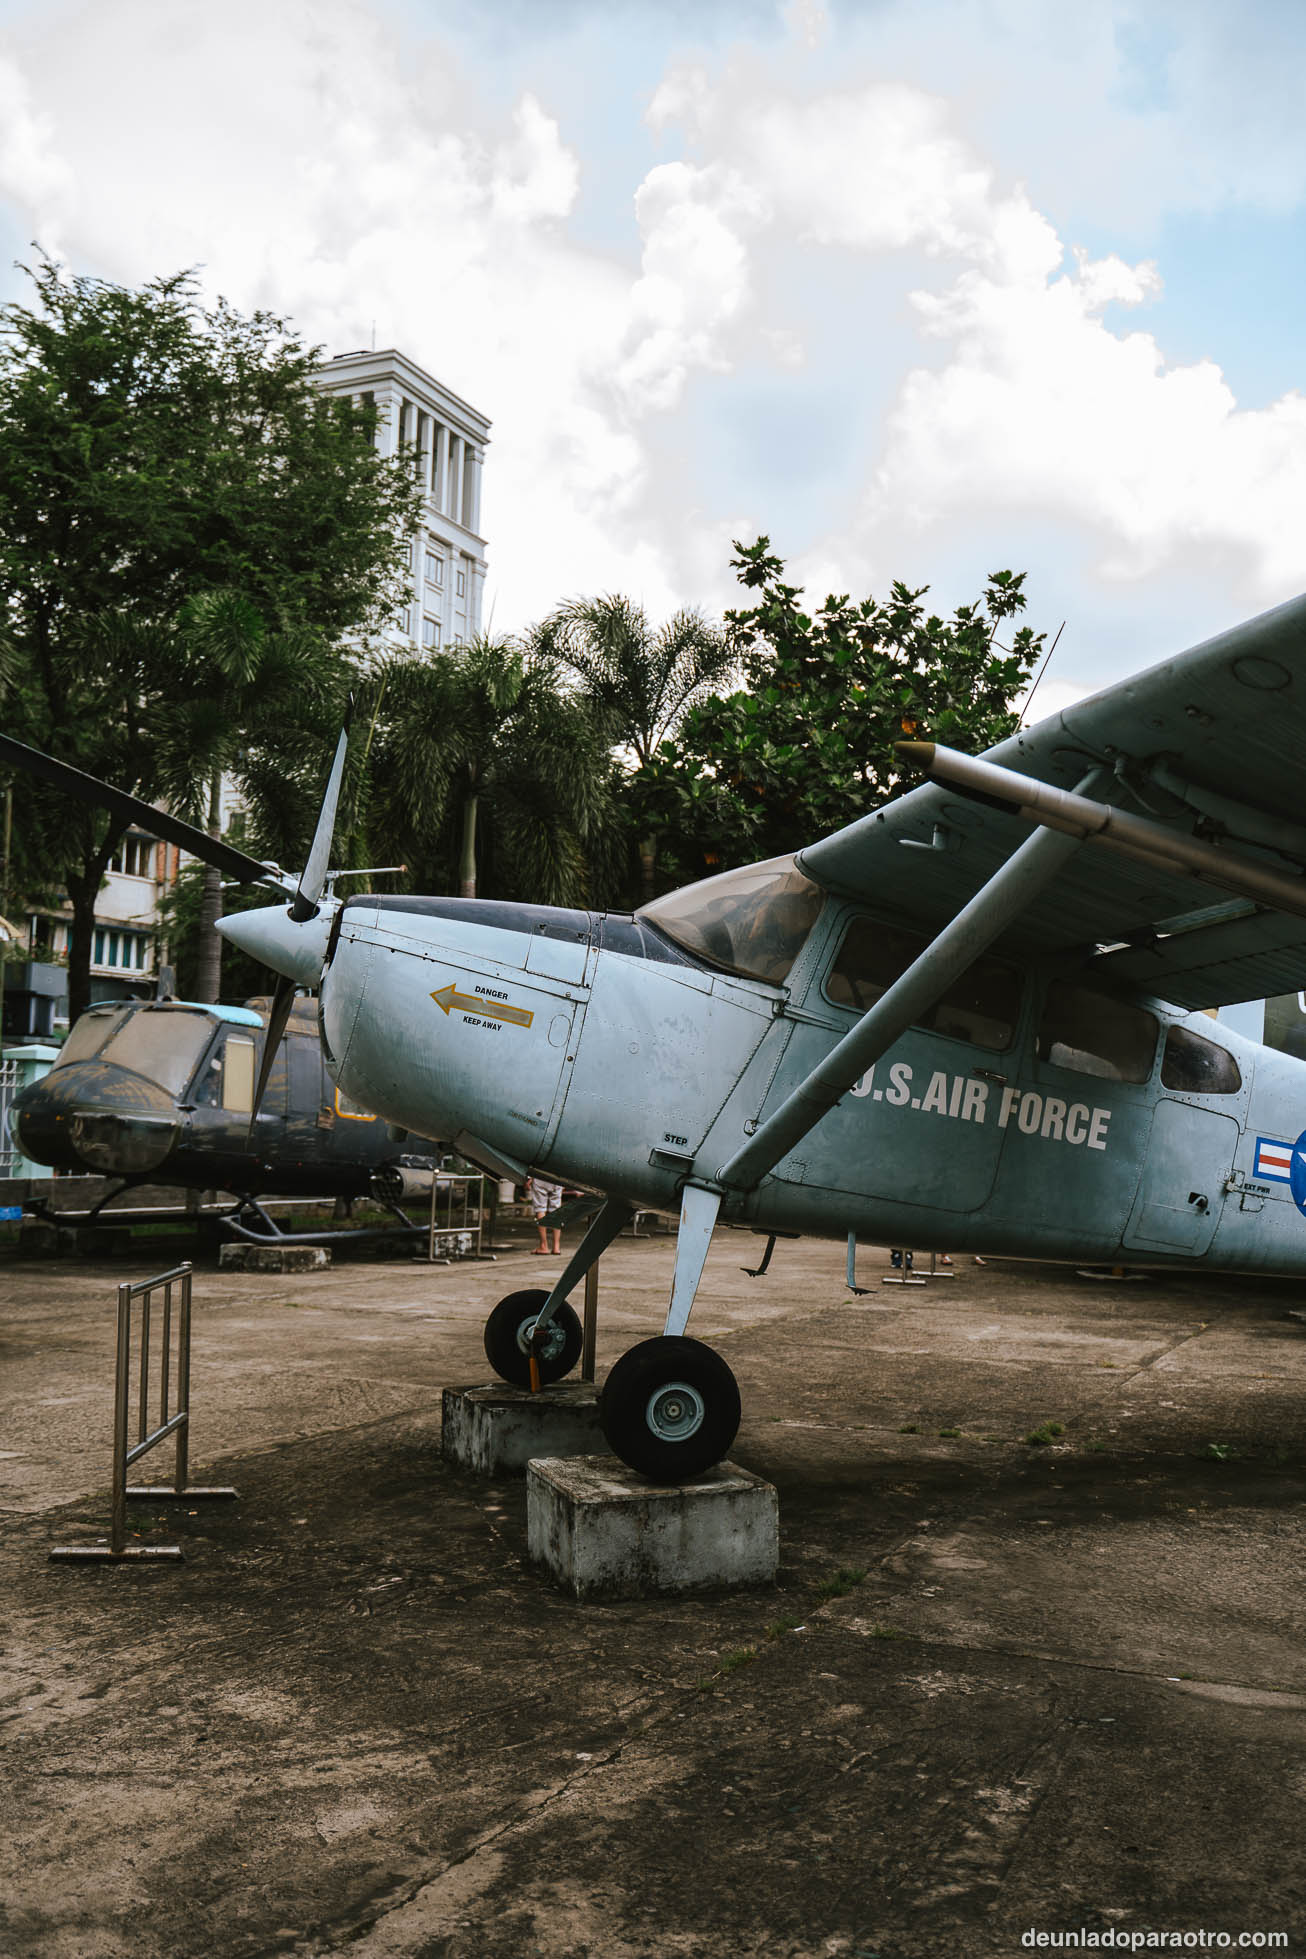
542	1228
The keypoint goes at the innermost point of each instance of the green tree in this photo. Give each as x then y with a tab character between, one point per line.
152	452
484	774
641	681
808	746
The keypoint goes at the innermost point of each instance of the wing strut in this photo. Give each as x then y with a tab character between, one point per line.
943	961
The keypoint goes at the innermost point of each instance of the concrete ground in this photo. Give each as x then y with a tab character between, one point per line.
1003	1687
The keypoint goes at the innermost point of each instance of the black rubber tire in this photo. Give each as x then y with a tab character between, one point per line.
628	1416
505	1339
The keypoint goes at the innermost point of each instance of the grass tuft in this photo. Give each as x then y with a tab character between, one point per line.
843	1581
1038	1438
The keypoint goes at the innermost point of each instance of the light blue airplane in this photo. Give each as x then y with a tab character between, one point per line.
978	1018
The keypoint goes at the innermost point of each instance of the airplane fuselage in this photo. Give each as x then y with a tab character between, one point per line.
592	1047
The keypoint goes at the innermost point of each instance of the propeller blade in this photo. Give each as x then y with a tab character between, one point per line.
133	809
305	902
283	1001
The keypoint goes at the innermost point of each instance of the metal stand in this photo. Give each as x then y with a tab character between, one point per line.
908	1276
117	1550
590	1324
458	1187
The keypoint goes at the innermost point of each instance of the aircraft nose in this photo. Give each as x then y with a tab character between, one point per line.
272	936
89	1115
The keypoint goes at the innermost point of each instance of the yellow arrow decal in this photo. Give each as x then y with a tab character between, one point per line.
450	1000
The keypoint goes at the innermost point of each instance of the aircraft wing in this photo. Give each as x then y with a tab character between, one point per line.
1210	744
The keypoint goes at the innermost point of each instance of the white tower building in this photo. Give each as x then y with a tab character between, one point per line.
450	439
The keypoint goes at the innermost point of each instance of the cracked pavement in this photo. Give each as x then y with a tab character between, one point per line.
999	1686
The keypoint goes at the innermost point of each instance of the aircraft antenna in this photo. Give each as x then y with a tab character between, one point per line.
1039	675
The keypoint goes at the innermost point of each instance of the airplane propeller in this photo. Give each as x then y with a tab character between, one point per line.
238	864
305	905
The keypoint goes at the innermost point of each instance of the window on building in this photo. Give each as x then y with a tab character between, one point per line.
1092	1034
981	1007
1196	1066
121	951
430	632
134	857
434	569
461	587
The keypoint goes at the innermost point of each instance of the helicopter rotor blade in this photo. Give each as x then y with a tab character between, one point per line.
304	905
283	1001
237	864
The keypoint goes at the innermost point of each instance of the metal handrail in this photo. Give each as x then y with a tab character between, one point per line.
173	1387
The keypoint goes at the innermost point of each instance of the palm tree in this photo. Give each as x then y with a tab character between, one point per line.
478	756
641	681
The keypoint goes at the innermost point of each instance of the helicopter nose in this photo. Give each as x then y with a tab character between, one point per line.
272	936
90	1115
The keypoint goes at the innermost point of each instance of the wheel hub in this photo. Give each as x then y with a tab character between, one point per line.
675	1411
555	1338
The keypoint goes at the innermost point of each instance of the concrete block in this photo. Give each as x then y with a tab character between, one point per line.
603	1532
497	1430
273	1258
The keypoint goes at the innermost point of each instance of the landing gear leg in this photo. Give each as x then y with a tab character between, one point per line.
535	1326
670	1406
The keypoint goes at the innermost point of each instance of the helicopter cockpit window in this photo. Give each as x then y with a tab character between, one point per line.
90	1033
982	1006
1093	1034
752	921
161	1043
1196	1066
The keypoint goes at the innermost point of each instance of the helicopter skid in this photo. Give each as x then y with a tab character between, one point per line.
272	1234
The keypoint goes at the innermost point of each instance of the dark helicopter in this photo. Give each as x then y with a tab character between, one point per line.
163	1092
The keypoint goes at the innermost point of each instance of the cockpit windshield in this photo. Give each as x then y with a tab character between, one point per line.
162	1043
89	1034
752	921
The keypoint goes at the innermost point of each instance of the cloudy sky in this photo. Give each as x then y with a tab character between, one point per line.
920	288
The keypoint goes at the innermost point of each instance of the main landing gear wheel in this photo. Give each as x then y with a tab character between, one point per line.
670	1408
508	1339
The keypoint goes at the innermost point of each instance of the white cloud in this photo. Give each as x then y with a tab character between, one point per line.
1042	406
317	162
28	160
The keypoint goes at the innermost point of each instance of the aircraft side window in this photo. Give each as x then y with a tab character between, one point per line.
982	1007
354	1111
1094	1034
238	1074
1196	1066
